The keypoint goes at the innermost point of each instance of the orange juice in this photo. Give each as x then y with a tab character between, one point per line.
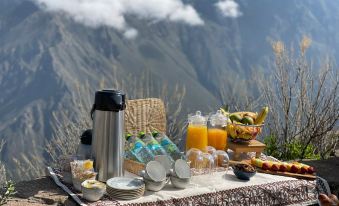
196	137
217	138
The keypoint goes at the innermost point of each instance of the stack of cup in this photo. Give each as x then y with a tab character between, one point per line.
181	174
154	176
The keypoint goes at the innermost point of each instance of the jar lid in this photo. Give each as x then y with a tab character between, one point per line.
218	119
197	119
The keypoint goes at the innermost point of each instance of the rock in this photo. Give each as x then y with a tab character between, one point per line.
327	169
42	191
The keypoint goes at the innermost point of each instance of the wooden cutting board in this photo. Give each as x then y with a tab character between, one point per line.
287	174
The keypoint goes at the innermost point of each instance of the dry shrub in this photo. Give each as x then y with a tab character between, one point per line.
304	101
27	167
144	86
2	166
239	93
69	125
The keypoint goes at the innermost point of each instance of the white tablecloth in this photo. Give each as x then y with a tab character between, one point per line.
224	188
212	183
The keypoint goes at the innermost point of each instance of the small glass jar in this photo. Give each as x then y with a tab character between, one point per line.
217	135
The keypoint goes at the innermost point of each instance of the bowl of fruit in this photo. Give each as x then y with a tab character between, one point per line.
245	126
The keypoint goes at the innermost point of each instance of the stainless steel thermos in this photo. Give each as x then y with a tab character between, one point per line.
108	133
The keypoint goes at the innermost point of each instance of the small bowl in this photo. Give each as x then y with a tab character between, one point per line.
243	175
95	193
180	183
154	186
77	182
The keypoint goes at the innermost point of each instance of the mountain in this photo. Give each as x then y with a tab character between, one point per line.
45	56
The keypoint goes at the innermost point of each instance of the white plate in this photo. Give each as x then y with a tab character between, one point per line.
125	183
125	197
127	192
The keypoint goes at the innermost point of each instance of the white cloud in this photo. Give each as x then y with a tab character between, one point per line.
112	13
131	33
229	8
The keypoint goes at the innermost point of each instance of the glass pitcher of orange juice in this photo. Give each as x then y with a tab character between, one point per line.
217	135
197	132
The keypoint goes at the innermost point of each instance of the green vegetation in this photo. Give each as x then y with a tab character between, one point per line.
292	150
9	191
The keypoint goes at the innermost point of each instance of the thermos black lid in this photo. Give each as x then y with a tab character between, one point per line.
86	137
109	100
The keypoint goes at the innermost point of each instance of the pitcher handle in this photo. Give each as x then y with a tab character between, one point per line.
92	111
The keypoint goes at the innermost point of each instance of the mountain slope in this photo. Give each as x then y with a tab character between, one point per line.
41	67
45	56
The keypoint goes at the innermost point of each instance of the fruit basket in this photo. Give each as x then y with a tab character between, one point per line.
242	132
245	126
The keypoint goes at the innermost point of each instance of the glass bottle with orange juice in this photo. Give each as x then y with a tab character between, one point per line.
197	132
217	135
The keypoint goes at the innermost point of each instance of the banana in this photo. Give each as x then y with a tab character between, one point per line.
253	115
226	114
223	111
231	130
301	164
262	116
235	117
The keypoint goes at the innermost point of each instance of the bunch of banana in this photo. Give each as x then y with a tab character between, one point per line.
243	117
238	119
250	118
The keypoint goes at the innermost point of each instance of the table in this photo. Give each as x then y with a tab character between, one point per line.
252	146
223	188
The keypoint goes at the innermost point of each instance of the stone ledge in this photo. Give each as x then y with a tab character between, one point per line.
41	191
329	170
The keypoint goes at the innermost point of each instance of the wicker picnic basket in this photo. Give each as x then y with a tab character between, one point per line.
143	115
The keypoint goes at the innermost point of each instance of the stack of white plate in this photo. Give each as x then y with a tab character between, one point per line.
125	188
